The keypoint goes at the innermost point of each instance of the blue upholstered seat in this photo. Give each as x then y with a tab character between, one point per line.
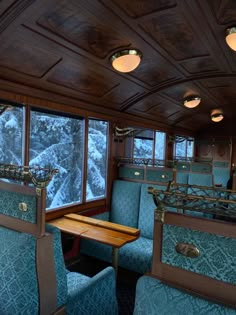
129	207
33	277
85	295
153	297
19	286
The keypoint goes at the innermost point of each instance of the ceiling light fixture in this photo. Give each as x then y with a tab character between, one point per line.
231	37
192	101
217	115
126	60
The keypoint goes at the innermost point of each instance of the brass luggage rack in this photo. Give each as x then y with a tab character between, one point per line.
210	200
39	177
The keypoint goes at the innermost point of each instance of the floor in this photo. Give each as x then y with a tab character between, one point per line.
126	280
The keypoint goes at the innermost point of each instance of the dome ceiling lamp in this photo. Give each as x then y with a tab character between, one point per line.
217	115
192	101
231	37
126	60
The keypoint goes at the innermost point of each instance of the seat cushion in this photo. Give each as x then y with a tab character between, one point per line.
135	256
153	297
125	203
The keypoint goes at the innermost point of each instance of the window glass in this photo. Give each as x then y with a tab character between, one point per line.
57	142
143	144
11	136
180	149
184	147
160	145
190	146
97	159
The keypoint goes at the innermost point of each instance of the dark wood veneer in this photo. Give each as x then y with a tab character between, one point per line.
60	51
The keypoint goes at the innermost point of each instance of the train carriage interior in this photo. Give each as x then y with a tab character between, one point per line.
117	157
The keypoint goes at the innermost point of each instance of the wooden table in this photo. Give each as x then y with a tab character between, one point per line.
109	233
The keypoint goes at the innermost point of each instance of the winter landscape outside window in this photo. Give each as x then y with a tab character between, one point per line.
97	159
58	142
160	145
11	136
144	144
184	149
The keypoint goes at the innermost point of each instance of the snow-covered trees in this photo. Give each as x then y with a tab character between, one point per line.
11	136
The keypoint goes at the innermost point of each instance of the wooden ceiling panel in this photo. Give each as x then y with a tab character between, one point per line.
144	7
59	49
224	92
82	78
75	24
178	92
156	70
123	94
224	10
201	65
4	5
193	122
27	54
172	31
156	105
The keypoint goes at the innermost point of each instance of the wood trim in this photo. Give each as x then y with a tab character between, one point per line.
157	246
46	276
20	225
26	135
80	208
203	286
60	311
22	189
223	228
85	159
38	228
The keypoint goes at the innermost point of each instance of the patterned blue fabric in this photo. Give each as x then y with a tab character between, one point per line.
216	253
159	175
154	297
18	279
102	216
92	296
81	294
9	205
181	177
221	175
59	265
135	256
200	179
146	211
134	173
125	203
201	167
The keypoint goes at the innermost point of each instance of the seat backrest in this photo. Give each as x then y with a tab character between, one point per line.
125	203
201	179
199	253
29	283
146	211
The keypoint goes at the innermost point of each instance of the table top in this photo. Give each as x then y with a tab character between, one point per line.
109	233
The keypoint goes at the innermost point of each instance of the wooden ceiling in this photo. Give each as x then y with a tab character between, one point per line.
59	49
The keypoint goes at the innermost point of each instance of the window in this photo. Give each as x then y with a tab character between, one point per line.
12	135
183	147
58	142
97	159
160	145
143	144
